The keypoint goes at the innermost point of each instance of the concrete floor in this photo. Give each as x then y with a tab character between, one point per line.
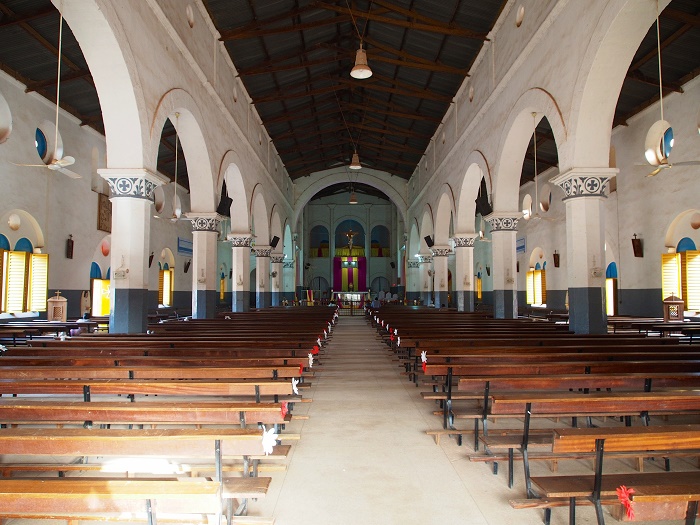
364	457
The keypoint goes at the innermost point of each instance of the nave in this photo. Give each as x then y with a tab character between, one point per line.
364	456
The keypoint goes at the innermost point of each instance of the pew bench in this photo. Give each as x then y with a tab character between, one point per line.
599	488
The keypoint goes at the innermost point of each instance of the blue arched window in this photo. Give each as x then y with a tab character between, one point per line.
95	271
41	143
685	244
24	245
4	243
537	266
109	271
611	271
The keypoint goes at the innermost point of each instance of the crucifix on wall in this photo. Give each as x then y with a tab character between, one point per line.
350	235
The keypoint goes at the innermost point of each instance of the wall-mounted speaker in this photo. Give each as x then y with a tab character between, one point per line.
429	241
274	241
392	264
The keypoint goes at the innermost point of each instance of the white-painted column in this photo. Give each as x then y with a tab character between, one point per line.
426	278
413	282
584	190
440	274
263	297
204	254
505	293
132	196
464	270
240	266
276	278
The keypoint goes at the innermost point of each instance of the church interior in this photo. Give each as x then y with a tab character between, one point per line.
387	162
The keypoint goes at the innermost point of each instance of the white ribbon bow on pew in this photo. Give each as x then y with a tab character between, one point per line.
398	342
396	331
424	356
269	440
318	341
295	382
311	360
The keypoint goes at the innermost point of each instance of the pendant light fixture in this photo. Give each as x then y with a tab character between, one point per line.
355	162
361	70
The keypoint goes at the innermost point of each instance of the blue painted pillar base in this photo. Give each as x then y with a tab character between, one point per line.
300	295
504	304
129	311
441	299
240	302
276	298
411	297
263	299
465	301
587	311
427	298
204	304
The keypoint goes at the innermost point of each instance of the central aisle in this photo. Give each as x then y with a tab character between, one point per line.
364	457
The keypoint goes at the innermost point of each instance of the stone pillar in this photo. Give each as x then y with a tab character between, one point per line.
426	278
289	269
277	278
240	266
464	269
503	232
584	190
413	283
204	256
440	274
132	196
263	297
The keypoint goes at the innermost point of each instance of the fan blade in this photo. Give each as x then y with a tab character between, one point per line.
687	163
30	165
71	174
655	172
64	161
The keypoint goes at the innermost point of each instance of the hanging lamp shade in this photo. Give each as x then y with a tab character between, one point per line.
361	69
353	198
355	163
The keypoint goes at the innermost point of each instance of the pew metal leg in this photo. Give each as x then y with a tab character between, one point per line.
691	513
510	468
547	516
149	512
572	511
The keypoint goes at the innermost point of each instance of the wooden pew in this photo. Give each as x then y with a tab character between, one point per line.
70	495
600	488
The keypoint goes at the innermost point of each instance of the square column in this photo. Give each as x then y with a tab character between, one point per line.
425	279
263	297
413	281
440	274
584	190
132	197
464	268
277	276
204	256
503	232
240	267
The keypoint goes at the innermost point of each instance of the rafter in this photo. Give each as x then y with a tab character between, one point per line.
406	91
668	87
398	114
12	20
51	82
235	34
427	24
282	95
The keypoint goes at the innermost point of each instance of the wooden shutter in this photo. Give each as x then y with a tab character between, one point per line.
690	274
16	282
38	282
161	277
670	275
543	286
530	287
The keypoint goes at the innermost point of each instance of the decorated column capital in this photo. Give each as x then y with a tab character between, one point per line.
239	240
288	264
413	264
584	182
138	183
440	251
262	251
277	259
464	240
503	221
425	259
204	222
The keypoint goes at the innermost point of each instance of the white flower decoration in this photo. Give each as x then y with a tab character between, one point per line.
311	360
424	356
295	382
269	440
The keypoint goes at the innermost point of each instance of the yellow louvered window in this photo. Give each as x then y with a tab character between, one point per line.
101	297
165	287
671	275
690	279
478	288
536	287
15	279
38	282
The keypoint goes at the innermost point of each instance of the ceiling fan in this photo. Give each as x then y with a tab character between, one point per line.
536	216
659	139
58	161
177	208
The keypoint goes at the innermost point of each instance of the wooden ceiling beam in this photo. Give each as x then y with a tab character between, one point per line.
681	16
51	82
411	92
433	26
12	20
392	146
394	106
235	34
398	114
276	64
668	87
283	95
664	44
